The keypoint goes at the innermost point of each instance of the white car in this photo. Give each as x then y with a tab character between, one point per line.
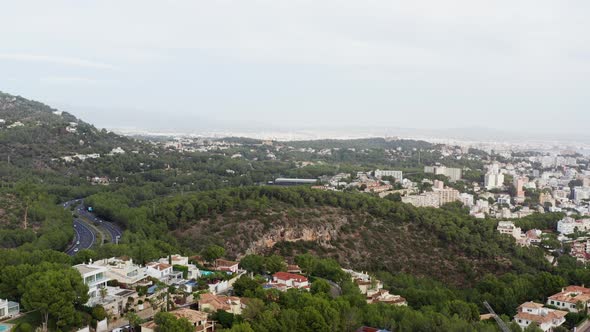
76	250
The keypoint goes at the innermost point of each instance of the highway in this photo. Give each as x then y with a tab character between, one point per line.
113	229
85	235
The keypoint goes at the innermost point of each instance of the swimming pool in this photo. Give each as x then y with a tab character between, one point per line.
4	327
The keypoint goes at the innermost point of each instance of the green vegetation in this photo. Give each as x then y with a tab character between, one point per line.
444	262
238	217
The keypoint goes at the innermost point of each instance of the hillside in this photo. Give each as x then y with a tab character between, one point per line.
358	230
34	135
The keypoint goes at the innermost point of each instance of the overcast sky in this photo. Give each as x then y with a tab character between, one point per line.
517	65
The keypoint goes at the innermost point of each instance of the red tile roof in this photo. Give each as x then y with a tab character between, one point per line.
289	276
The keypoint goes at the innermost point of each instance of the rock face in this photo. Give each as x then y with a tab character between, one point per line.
355	239
243	235
322	235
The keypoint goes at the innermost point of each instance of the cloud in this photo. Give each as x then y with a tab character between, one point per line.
60	60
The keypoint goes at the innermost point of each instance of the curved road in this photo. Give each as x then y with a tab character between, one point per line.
113	229
85	235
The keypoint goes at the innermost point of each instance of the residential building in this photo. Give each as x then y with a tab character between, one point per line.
398	175
507	227
373	289
293	268
523	239
193	271
383	296
447	195
226	266
437	184
114	300
569	225
534	235
123	270
434	198
466	199
8	309
546	318
493	178
94	276
212	303
518	184
454	174
581	250
286	280
570	298
158	270
198	319
427	199
177	260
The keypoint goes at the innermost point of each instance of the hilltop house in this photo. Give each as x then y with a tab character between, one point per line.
113	299
570	297
94	276
123	270
193	271
212	303
158	270
373	289
226	266
284	280
546	318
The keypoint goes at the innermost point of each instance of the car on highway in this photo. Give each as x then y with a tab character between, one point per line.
76	250
77	242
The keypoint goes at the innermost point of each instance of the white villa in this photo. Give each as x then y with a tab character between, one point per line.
373	289
123	270
546	318
94	276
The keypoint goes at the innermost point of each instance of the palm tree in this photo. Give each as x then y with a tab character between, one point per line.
103	293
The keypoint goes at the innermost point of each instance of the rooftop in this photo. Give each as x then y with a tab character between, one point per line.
287	276
86	268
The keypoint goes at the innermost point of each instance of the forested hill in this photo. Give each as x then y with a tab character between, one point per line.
36	136
358	230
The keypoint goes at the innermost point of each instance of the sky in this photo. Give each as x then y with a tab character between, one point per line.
200	65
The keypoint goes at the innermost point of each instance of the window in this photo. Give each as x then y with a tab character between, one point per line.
552	302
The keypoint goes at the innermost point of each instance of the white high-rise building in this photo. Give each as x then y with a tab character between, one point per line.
453	174
493	178
395	174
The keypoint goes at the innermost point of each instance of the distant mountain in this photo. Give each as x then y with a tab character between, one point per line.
34	135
